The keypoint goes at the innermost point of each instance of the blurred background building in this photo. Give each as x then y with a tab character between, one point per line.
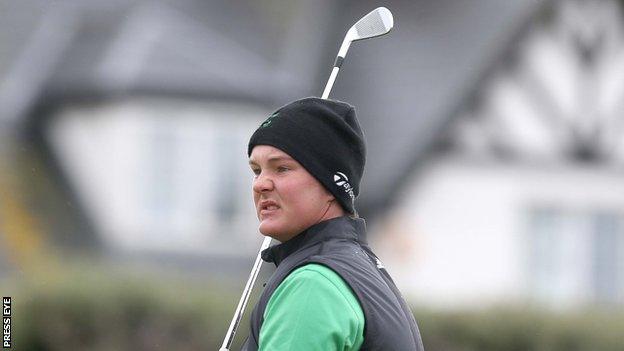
520	197
495	168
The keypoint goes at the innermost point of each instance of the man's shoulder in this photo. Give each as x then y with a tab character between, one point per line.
315	275
323	281
315	271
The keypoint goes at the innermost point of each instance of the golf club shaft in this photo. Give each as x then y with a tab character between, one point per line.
242	303
337	63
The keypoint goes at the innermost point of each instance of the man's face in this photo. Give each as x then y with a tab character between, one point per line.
288	199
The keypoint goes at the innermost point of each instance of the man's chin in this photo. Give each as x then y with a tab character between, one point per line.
269	227
274	229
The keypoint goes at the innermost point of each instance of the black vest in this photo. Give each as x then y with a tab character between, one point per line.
340	244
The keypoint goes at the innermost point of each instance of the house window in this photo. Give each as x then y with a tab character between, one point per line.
607	257
226	176
158	185
576	256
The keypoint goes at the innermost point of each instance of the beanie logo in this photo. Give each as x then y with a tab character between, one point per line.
342	181
268	121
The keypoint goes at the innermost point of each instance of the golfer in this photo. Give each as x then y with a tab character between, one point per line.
329	290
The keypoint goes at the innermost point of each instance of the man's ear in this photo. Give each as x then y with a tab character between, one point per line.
330	196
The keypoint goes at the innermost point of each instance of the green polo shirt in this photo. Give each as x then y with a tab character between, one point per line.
312	309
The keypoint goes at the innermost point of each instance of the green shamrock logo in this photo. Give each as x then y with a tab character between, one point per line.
268	120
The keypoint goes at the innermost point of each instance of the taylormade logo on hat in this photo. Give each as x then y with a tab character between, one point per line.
342	180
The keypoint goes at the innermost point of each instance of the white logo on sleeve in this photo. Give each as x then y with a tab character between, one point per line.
342	181
379	264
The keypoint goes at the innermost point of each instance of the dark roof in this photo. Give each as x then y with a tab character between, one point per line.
408	86
405	86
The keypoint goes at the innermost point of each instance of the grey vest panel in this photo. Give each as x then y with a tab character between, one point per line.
339	245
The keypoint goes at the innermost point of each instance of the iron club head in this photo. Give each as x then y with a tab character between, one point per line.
375	23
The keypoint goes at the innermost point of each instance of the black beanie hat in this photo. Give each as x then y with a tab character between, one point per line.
325	137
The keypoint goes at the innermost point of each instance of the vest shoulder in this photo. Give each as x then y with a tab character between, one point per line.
319	275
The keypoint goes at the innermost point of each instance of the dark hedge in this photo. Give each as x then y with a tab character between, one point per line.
97	311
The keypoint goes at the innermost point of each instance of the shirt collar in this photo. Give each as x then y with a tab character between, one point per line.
341	228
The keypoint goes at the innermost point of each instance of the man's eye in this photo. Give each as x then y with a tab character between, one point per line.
256	171
282	169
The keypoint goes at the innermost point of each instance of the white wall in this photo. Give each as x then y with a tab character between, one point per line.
159	174
462	232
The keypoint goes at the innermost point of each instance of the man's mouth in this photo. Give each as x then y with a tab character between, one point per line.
268	208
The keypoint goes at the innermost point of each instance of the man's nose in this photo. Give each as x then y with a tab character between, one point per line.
262	183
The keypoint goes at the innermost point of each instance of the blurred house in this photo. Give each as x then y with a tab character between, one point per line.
521	198
128	119
494	154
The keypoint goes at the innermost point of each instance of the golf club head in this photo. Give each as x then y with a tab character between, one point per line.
375	23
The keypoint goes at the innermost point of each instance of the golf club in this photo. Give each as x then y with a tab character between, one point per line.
375	23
